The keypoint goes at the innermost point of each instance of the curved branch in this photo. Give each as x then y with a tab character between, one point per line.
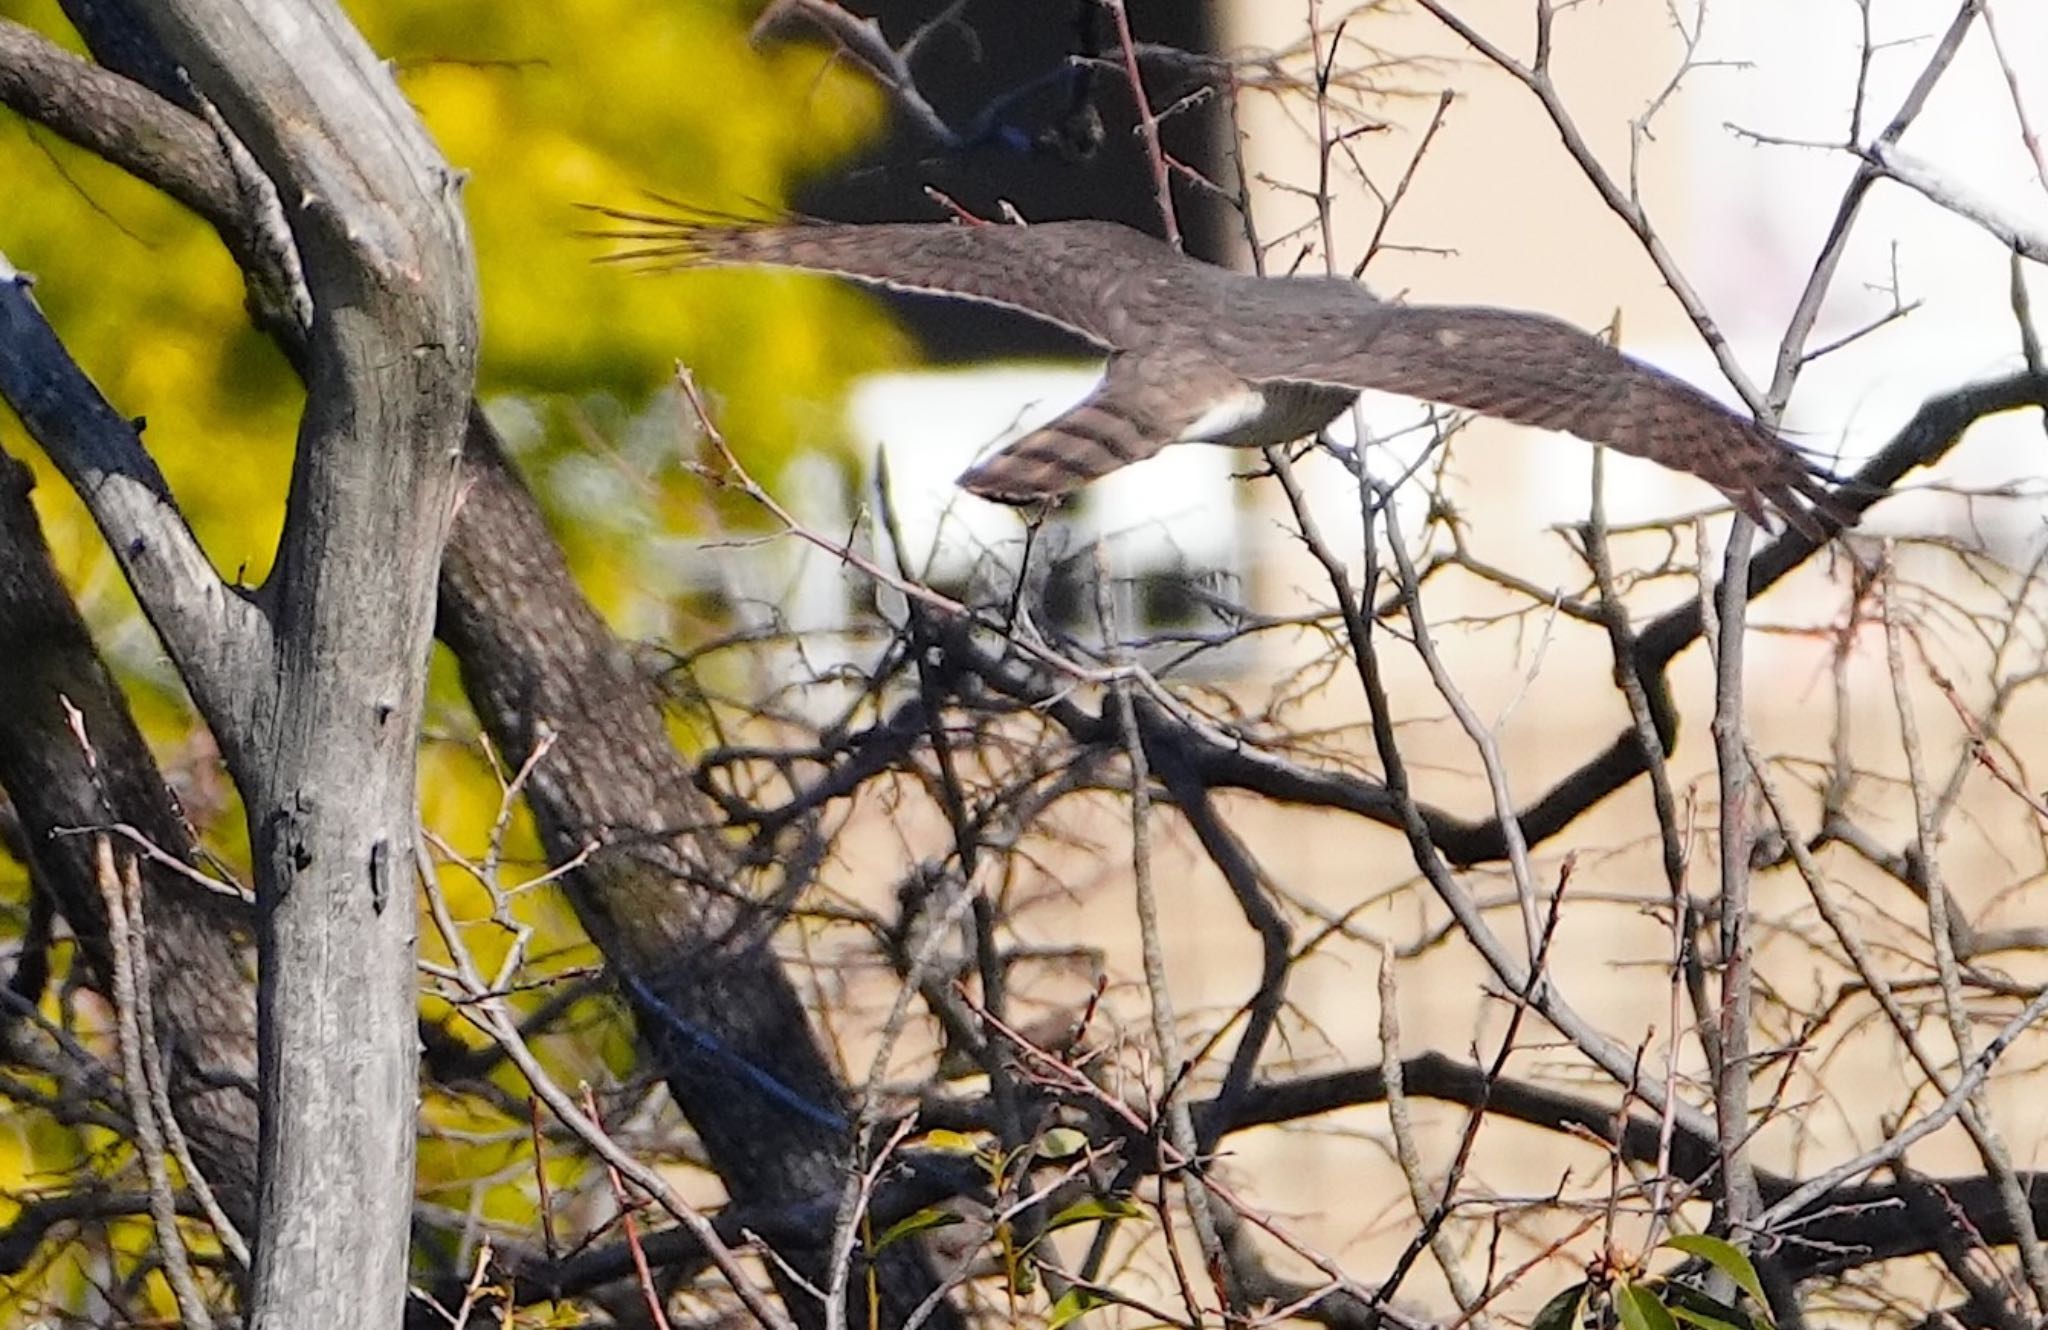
217	637
1927	437
1854	1226
197	940
125	123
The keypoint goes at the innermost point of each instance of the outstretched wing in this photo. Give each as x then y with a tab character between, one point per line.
1057	272
1539	371
1126	291
1142	404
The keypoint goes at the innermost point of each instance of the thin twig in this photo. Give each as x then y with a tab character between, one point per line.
1148	123
1726	607
121	889
1990	1145
490	1014
1173	1108
1409	1156
656	1313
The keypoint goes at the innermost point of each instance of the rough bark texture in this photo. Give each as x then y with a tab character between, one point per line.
718	1013
200	964
313	685
714	1007
330	780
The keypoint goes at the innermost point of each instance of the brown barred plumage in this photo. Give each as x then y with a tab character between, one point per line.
1201	353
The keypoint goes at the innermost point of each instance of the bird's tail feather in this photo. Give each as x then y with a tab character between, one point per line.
1088	442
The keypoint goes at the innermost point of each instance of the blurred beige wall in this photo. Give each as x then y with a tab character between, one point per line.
1516	224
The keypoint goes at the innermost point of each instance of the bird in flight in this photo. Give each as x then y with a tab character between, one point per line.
1199	353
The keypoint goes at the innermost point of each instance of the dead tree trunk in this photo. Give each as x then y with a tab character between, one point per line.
717	1013
313	683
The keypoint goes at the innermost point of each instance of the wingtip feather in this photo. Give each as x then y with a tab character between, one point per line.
679	235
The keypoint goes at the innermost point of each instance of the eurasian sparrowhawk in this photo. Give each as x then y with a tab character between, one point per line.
1199	353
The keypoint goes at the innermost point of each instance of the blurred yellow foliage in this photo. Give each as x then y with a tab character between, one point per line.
545	108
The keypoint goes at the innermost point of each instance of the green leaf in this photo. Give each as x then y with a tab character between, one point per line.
920	1221
1639	1309
1695	1308
1704	1321
1062	1143
953	1142
1073	1304
1093	1208
1729	1259
1563	1312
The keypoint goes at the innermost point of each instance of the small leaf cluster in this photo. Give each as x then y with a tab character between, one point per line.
1614	1294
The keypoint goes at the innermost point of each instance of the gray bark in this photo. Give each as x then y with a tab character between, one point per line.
199	942
720	1018
715	1010
313	683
